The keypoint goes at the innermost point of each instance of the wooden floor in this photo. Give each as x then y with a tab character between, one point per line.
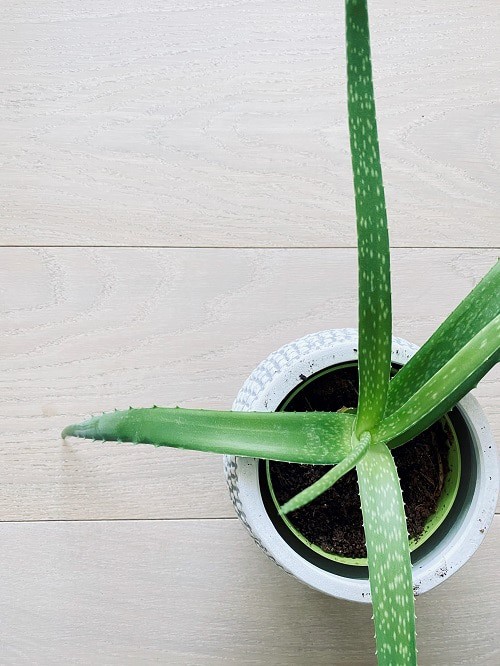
176	203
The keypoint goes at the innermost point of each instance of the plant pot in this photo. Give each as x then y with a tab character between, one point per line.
449	542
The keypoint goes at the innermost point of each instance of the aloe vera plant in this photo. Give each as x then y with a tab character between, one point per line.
390	412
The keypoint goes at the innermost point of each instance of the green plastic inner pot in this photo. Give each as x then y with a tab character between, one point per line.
445	503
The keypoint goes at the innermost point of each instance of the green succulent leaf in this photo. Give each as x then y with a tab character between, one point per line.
388	554
451	400
322	438
373	238
332	476
443	389
475	312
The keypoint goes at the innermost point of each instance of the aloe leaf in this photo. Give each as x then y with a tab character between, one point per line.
373	238
388	552
443	390
321	438
332	476
467	320
451	400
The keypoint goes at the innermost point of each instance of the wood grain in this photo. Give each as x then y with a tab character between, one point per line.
200	122
200	592
211	124
90	329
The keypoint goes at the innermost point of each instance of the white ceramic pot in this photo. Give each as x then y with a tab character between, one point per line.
443	554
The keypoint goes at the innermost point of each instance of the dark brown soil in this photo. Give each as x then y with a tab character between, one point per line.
333	521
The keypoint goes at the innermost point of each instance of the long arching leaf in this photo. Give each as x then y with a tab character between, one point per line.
320	438
474	313
373	238
388	553
443	390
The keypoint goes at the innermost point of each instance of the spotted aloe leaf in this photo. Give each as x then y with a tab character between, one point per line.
373	238
444	388
475	312
332	476
320	438
388	553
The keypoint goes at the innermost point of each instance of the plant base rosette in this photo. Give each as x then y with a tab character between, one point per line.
450	543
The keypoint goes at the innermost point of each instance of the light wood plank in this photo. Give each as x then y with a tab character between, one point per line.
200	592
86	330
209	123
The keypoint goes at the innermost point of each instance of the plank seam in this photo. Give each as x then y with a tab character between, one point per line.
246	247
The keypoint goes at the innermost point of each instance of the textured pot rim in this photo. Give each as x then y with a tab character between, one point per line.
264	390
